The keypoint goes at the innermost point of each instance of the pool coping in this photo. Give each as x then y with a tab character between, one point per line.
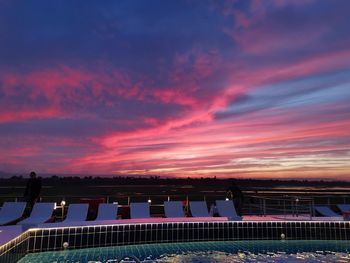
136	231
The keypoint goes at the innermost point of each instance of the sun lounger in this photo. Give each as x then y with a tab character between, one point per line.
139	210
326	211
107	212
77	212
173	209
227	209
41	213
11	211
199	209
344	207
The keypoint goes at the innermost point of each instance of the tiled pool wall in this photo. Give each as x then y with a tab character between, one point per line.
15	249
38	240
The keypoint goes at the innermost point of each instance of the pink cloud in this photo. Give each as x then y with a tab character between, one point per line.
208	104
214	148
197	142
194	143
61	85
255	32
66	84
266	41
284	3
20	115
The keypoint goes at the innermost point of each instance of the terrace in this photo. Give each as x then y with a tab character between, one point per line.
264	218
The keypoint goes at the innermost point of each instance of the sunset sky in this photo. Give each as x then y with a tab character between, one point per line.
248	89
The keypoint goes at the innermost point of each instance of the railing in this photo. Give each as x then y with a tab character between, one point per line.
252	205
328	200
287	206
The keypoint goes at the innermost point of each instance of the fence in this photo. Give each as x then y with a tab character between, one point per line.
253	204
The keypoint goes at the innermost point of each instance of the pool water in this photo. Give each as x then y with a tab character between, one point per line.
206	252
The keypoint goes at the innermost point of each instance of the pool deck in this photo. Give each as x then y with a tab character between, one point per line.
8	233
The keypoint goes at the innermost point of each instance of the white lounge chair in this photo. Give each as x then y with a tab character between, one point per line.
344	207
326	211
139	210
77	212
11	211
173	209
199	209
227	209
107	212
41	213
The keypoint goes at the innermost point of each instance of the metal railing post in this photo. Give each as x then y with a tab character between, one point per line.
310	210
250	208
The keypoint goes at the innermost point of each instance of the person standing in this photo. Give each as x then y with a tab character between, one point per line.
235	193
33	189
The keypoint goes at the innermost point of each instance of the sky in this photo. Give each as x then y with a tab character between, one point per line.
185	88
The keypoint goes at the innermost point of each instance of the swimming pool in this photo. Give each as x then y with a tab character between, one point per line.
123	235
213	251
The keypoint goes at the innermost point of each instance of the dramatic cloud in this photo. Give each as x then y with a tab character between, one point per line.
176	88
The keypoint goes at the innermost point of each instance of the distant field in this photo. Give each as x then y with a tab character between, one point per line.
141	189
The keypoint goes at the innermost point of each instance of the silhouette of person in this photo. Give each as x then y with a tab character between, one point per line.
235	193
33	189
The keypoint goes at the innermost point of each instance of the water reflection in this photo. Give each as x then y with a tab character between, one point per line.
208	252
